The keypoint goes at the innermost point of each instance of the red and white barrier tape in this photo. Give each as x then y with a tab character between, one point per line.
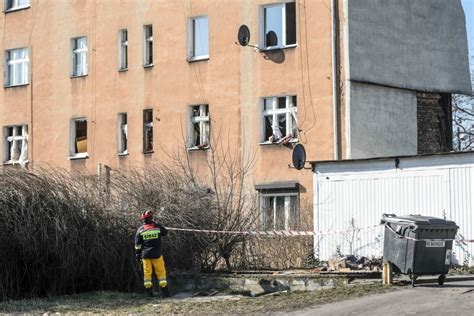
286	233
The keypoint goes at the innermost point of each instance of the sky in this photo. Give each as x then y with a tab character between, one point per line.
468	6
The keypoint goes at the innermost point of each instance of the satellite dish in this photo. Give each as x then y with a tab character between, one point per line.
299	157
243	36
271	39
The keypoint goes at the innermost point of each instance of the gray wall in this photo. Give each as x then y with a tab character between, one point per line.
414	44
382	121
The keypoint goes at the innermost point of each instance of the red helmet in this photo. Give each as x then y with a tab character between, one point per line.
146	215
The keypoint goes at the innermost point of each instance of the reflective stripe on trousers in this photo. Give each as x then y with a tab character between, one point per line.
159	266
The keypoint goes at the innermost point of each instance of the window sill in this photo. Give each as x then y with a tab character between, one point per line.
148	152
196	148
267	49
124	154
268	143
12	163
79	156
148	66
78	76
196	59
123	70
17	85
17	9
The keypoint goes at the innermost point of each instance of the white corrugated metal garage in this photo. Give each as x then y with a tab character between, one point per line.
355	193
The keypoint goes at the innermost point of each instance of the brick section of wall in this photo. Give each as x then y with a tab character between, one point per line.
434	118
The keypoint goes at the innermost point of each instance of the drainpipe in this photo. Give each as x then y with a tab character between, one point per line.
335	77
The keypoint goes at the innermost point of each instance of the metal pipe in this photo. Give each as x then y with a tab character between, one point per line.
335	77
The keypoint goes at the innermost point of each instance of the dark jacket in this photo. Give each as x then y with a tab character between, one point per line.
148	240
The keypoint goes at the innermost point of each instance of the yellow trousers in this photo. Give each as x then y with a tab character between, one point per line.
159	266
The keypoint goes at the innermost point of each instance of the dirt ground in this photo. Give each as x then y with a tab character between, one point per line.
129	303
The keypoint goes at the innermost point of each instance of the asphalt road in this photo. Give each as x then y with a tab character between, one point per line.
456	298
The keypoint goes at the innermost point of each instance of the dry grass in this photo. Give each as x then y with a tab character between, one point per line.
123	303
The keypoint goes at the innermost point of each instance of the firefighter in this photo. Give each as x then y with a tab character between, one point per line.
148	250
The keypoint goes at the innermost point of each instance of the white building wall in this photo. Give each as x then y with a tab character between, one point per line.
357	193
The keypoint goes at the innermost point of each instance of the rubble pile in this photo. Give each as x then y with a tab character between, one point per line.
354	263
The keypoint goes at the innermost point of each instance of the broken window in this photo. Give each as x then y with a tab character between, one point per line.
147	131
15	144
122	133
279	25
200	127
148	45
280	124
123	49
198	38
279	211
16	67
79	56
78	148
10	5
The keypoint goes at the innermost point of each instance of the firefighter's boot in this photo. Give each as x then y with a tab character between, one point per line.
165	293
149	292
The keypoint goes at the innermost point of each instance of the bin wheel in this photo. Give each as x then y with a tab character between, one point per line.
441	279
413	279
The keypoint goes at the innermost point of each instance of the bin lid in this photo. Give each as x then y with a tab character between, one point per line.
418	220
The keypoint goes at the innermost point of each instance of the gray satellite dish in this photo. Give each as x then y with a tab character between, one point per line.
299	157
243	36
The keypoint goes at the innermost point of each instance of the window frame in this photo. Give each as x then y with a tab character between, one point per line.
9	67
123	50
122	134
12	8
73	153
283	41
148	45
7	146
146	145
291	113
287	209
203	121
76	51
192	39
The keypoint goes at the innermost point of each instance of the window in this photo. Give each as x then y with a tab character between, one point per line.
16	67
11	5
279	211
123	49
148	45
15	144
78	140
279	118
79	56
147	131
278	29
198	38
199	127
122	133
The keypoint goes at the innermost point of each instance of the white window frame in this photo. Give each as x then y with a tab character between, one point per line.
192	39
14	58
122	134
18	141
73	154
290	111
148	45
287	208
79	69
146	126
282	43
14	5
123	50
204	127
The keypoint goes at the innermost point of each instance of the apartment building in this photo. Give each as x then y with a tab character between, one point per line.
126	82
